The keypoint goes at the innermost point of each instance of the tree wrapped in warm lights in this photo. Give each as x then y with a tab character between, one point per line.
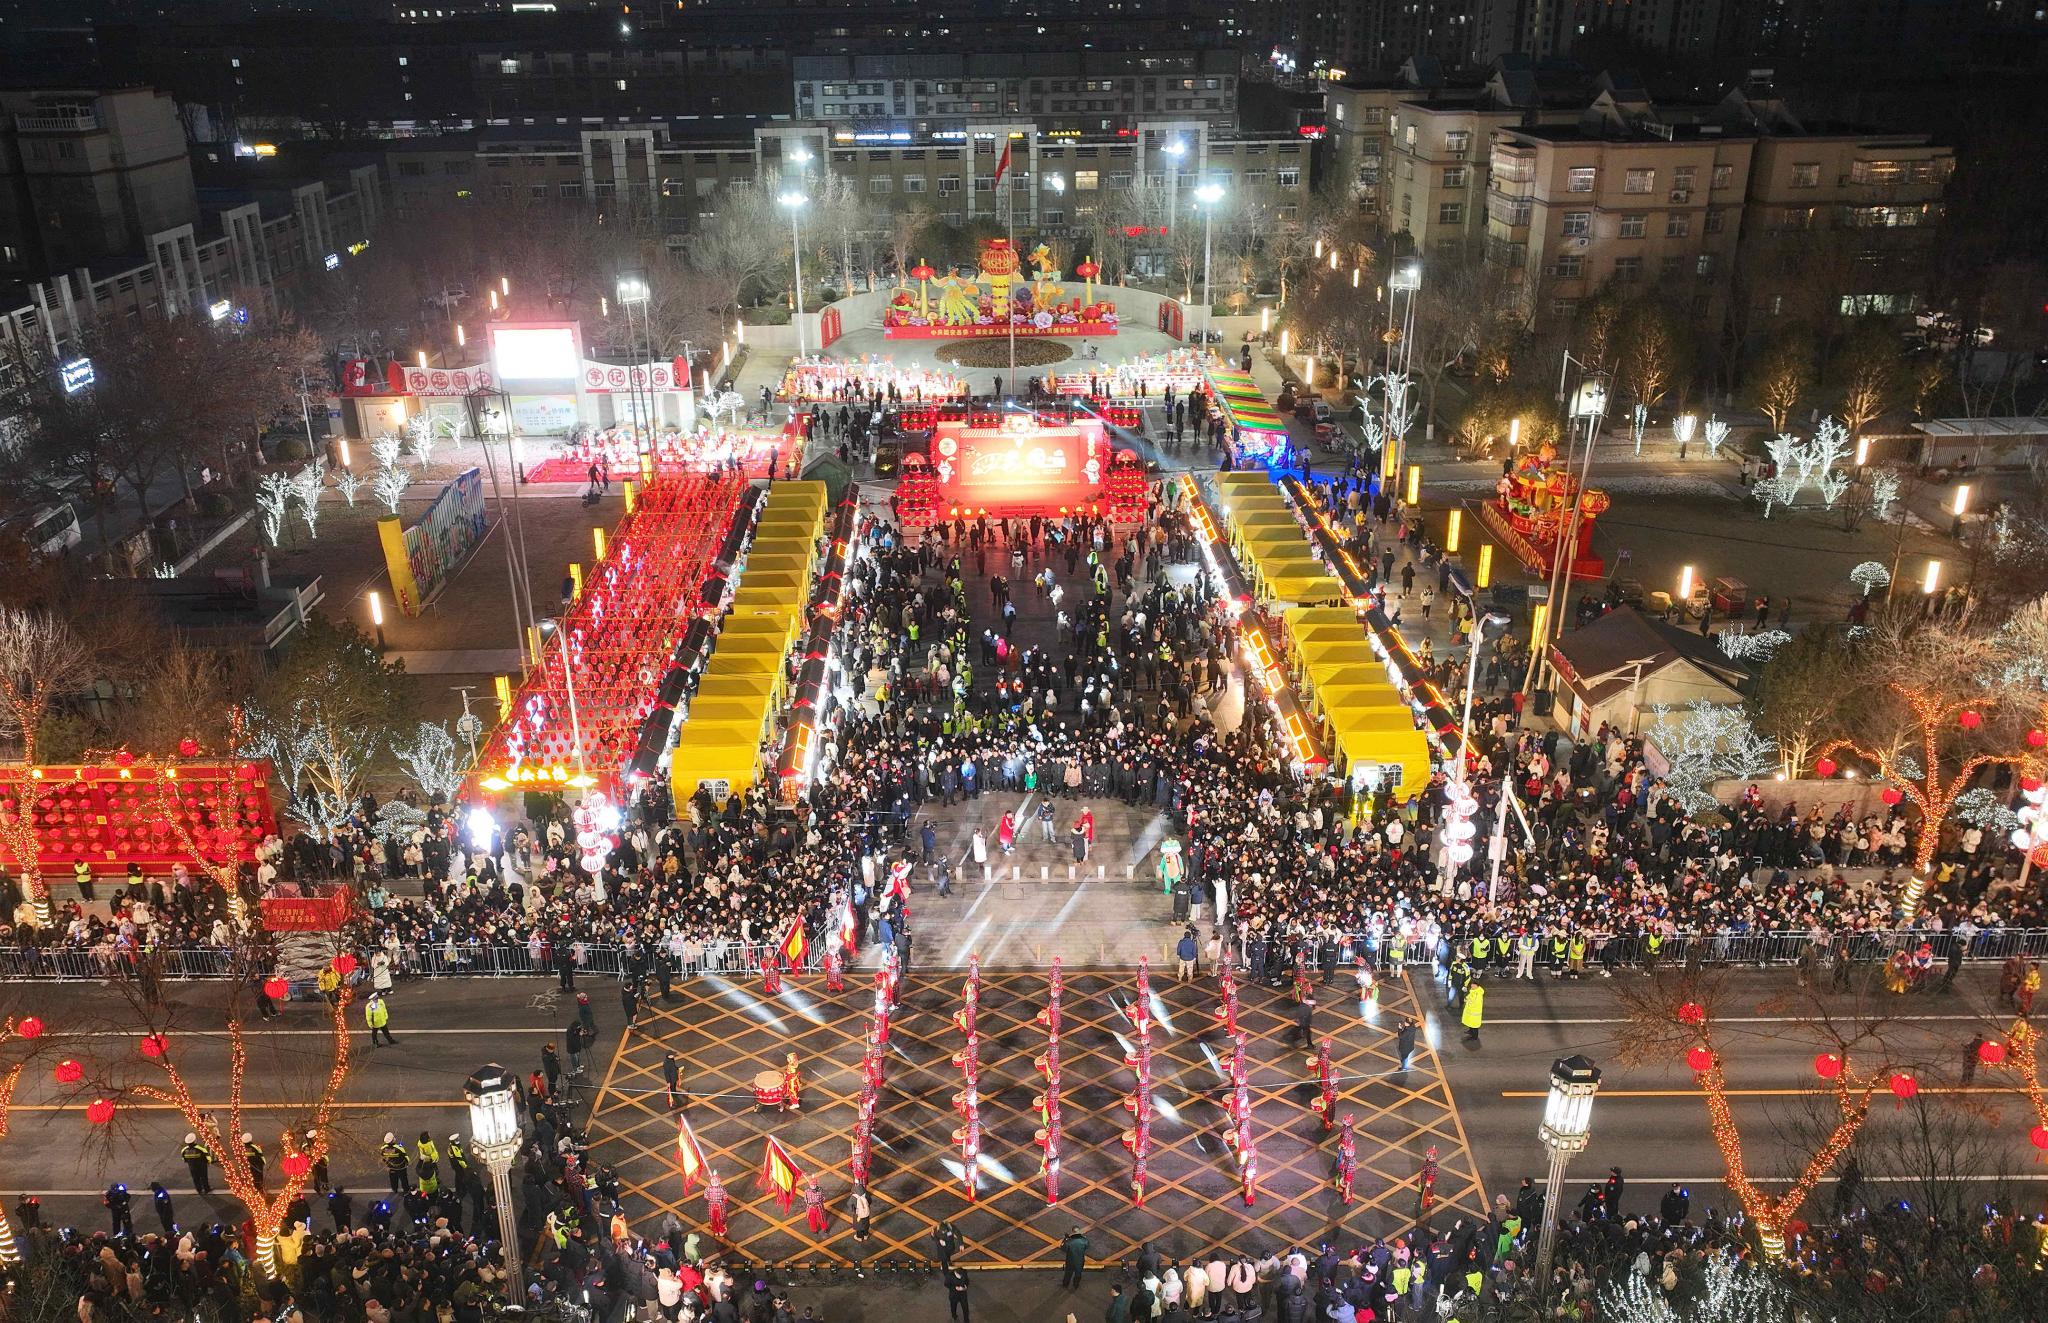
1926	708
1674	1020
304	1140
41	658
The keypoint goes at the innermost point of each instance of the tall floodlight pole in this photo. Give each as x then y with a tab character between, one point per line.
494	1136
795	202
1567	1123
1208	195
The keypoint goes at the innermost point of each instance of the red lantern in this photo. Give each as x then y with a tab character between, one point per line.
29	1027
1904	1086
2039	1135
1823	768
277	989
296	1165
1891	795
1970	719
2036	738
69	1072
99	1111
344	964
1692	1013
154	1046
124	759
2030	784
188	747
1699	1058
1827	1065
1991	1053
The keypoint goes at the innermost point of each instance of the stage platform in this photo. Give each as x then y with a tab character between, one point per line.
726	1032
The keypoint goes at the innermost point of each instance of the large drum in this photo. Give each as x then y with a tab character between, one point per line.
768	1088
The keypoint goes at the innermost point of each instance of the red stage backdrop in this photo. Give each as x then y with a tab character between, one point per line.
111	816
1019	468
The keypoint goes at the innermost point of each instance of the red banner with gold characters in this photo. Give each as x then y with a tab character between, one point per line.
898	332
306	914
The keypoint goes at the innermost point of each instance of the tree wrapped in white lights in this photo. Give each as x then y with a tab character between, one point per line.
433	760
1787	475
1884	490
386	449
349	483
389	486
1715	435
274	492
1639	424
1734	1290
308	486
1705	743
1870	576
1757	645
1683	429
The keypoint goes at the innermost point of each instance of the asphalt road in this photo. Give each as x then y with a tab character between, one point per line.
1649	1120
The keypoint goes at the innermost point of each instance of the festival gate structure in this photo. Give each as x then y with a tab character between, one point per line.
111	814
636	605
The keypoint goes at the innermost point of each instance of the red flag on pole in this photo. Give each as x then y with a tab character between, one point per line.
1003	166
689	1156
846	928
794	945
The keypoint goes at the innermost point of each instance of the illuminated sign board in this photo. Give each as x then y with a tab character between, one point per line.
536	355
76	375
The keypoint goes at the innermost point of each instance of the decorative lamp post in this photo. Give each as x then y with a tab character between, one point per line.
494	1136
1567	1122
795	202
921	273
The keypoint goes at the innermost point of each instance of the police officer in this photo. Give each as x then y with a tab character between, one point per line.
197	1156
468	1184
378	1016
395	1162
116	1200
253	1151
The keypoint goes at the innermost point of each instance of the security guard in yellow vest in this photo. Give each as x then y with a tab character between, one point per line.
81	873
1653	949
428	1155
1482	951
1578	956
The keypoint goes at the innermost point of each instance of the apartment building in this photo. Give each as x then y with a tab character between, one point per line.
673	172
1714	203
1084	91
242	249
1415	152
86	176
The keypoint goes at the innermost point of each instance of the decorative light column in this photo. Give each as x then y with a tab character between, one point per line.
1567	1123
494	1137
795	202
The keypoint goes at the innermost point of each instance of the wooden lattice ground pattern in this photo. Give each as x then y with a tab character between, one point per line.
725	1033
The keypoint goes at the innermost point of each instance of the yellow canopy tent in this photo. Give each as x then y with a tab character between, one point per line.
736	684
1379	754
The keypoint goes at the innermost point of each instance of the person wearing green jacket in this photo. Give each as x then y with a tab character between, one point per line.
1474	1013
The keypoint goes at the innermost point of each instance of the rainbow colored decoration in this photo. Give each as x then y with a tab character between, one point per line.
1257	431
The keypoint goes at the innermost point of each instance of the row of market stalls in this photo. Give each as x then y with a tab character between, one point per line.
742	688
1345	674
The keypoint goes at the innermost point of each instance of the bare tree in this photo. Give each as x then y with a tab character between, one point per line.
1780	377
41	661
1868	371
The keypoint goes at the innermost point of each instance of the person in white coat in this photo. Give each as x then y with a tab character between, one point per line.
980	847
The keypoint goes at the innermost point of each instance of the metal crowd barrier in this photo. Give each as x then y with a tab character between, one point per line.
735	959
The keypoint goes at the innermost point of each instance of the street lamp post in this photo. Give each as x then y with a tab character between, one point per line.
795	202
634	292
494	1137
1175	150
1208	195
1588	404
1406	279
1449	863
1567	1122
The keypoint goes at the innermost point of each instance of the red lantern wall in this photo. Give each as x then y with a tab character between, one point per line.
111	820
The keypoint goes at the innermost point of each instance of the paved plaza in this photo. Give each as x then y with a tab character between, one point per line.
726	1033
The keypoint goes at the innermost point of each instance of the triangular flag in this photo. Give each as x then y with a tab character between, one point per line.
794	946
779	1172
1003	166
689	1156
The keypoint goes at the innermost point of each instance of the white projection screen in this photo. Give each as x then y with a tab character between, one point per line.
536	356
